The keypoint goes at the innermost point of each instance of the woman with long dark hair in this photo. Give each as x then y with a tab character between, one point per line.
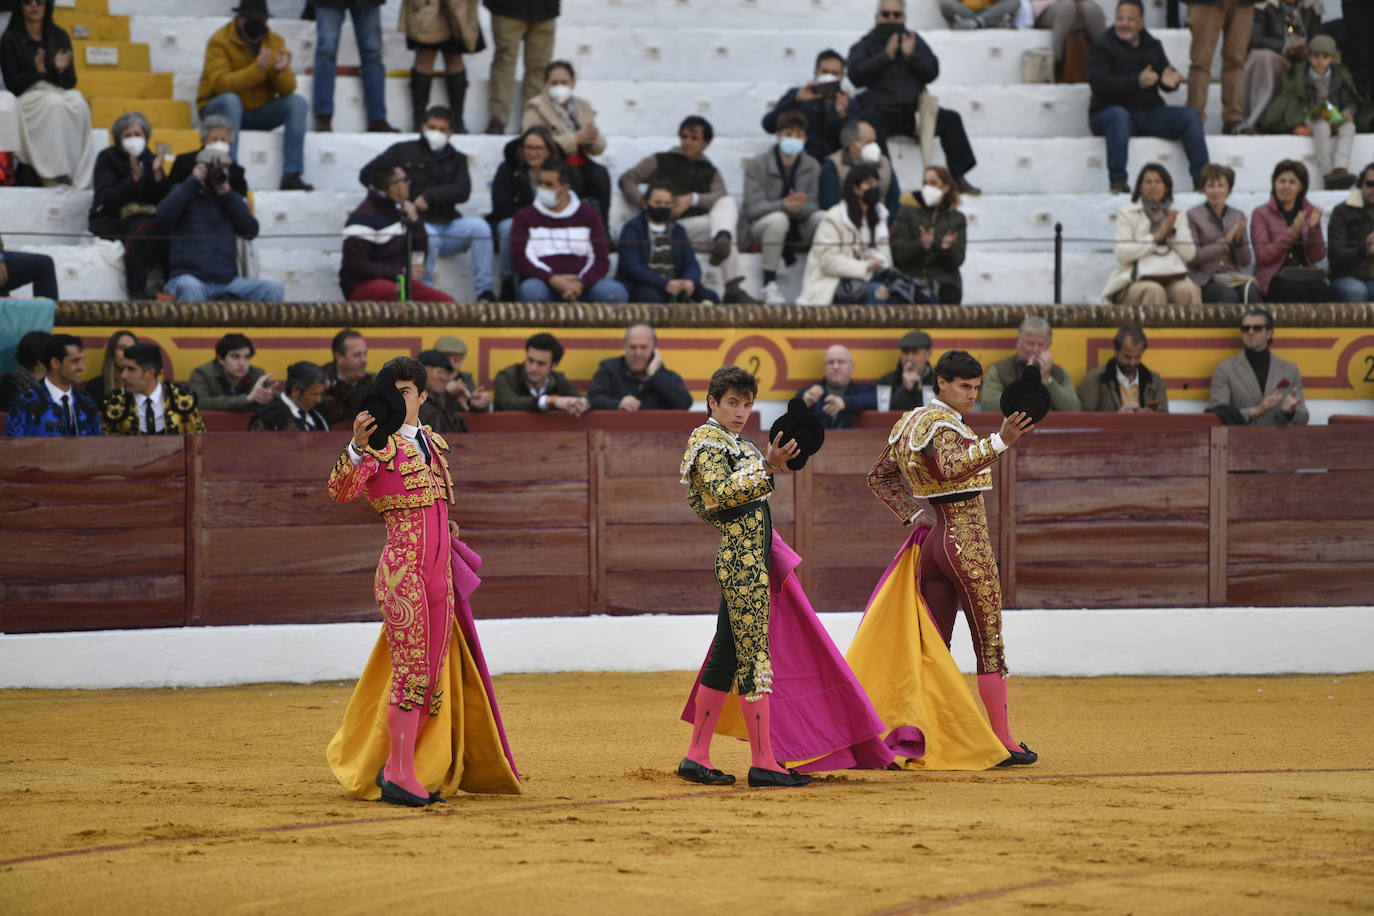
108	379
851	244
1287	236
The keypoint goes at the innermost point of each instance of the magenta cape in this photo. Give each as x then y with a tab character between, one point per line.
465	563
819	713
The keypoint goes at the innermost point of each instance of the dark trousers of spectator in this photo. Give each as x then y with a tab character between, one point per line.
146	249
1170	122
1359	43
1281	290
1212	291
949	128
30	268
640	293
948	293
597	183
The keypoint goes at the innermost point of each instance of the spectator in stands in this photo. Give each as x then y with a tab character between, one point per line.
963	15
513	187
1281	31
859	146
18	268
1033	341
205	217
850	247
295	407
129	184
108	379
57	406
450	27
1208	20
1218	267
1264	389
1061	17
1123	384
912	383
513	22
638	380
379	236
1351	247
145	404
823	102
559	246
28	368
700	201
536	384
781	201
1126	70
572	121
247	78
367	32
657	263
930	235
1154	246
1287	234
464	393
437	180
837	399
55	122
230	381
1321	97
436	412
216	136
894	66
346	377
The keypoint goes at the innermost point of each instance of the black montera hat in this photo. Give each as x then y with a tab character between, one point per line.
800	425
387	407
1027	394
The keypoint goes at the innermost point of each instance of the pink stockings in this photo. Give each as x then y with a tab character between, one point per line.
710	703
404	726
993	689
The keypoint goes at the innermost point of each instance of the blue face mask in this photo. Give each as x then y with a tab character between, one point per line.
791	146
546	196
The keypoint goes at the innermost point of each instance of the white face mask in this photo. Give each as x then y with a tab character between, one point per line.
560	93
134	146
827	78
436	139
218	146
547	196
932	195
871	153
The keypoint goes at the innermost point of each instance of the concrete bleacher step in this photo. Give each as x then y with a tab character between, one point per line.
93	57
166	115
128	85
84	25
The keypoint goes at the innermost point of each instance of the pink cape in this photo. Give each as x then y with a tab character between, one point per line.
465	563
820	713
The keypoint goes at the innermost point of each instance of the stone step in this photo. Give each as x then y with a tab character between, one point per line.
94	57
81	24
128	85
166	115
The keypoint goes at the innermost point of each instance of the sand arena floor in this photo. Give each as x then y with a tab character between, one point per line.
1216	795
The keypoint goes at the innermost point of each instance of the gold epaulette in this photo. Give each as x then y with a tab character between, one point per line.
708	435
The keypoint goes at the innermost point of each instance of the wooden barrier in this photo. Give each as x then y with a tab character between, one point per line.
237	528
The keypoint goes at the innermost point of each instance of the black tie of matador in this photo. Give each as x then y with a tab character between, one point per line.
148	417
68	416
424	448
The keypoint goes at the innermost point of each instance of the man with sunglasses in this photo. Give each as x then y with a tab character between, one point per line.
893	66
1350	242
1264	389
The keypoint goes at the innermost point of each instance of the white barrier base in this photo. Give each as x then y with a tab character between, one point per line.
1069	643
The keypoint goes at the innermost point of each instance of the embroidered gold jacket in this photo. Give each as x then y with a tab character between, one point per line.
721	471
931	452
413	485
180	407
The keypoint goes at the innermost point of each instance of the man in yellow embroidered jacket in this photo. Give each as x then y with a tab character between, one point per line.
145	404
932	454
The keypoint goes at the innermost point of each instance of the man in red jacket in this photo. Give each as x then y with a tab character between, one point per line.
559	246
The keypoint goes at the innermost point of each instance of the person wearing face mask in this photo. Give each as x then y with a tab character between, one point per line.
559	245
657	263
37	64
451	28
849	247
439	180
247	78
858	146
375	243
781	201
930	235
513	187
824	103
129	183
216	136
572	121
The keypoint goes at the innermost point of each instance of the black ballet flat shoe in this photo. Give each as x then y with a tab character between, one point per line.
381	777
1022	758
436	799
760	778
692	771
393	794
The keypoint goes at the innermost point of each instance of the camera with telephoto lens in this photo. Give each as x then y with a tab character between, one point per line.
828	90
216	176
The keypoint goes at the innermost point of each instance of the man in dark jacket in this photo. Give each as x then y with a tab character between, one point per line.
1126	70
827	107
217	135
374	248
439	180
346	377
1123	384
230	381
1350	242
836	399
657	263
893	66
536	384
205	217
513	22
637	380
294	408
913	381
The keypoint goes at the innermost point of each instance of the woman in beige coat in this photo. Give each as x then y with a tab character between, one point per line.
572	121
851	244
1153	246
440	26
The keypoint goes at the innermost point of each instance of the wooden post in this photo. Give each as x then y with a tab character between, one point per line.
1004	479
1218	508
596	523
193	446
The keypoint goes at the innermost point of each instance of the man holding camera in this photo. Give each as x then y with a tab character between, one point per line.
206	217
827	107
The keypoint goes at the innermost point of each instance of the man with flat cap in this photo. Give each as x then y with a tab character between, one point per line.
912	383
438	412
462	392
